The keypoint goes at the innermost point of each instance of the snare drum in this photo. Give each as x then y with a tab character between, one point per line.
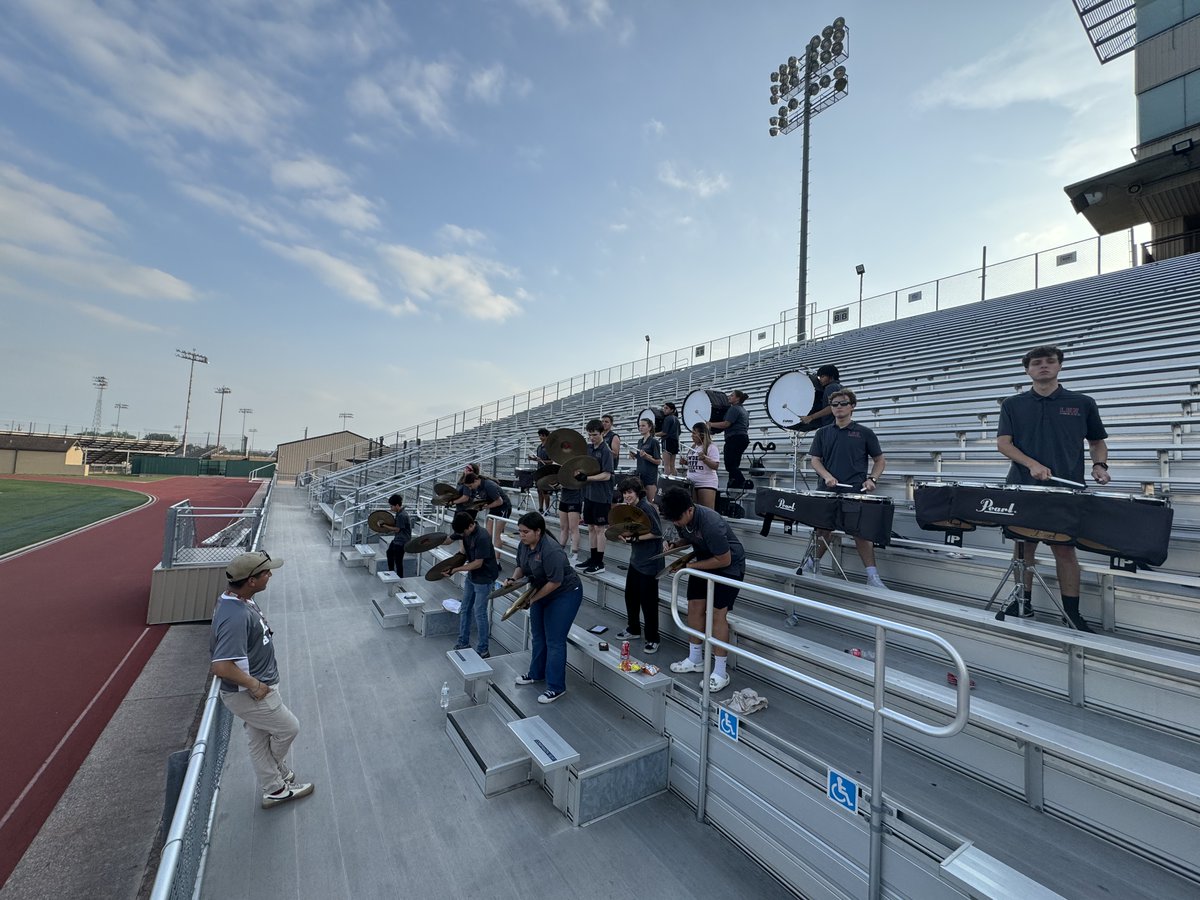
933	507
1025	512
665	482
868	517
816	509
526	479
1126	525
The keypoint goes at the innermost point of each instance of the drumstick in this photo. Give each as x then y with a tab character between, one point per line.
1067	481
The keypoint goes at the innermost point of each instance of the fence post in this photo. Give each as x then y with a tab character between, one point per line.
1098	250
983	277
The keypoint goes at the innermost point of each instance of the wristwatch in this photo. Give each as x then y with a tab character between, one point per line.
1104	466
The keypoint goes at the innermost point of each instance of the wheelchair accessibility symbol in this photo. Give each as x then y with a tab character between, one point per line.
843	791
728	723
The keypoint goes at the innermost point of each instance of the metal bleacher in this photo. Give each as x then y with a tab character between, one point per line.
1077	773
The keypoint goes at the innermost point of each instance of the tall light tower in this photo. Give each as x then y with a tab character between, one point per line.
118	407
99	383
344	417
245	412
250	449
222	390
192	357
805	87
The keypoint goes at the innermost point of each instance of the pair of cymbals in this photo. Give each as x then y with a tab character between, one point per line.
442	488
627	529
441	570
628	514
548	483
501	591
425	542
519	604
586	464
564	444
379	518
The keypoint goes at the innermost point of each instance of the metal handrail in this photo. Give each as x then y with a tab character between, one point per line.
877	705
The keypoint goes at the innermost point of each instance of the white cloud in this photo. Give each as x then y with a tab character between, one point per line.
574	15
488	85
367	98
460	284
654	129
251	213
101	272
344	277
348	210
422	89
699	183
1034	66
618	227
456	234
108	317
39	214
307	174
333	199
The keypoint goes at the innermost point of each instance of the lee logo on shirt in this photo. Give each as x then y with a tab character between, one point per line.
1068	410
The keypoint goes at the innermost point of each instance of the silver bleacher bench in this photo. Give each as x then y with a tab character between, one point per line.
986	878
644	694
550	755
471	667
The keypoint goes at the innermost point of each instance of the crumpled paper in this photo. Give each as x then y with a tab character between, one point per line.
745	702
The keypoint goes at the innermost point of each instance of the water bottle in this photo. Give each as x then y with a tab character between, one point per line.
860	653
445	694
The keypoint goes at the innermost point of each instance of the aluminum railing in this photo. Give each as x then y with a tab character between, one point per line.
877	705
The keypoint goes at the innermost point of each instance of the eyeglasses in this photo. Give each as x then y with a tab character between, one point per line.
266	559
840	403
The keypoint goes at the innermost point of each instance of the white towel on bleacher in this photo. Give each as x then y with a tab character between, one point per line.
454	606
745	702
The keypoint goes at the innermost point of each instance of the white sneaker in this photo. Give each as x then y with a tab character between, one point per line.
808	569
716	682
876	581
686	665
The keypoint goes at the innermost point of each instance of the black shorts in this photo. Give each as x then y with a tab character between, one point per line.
671	445
595	513
570	507
723	594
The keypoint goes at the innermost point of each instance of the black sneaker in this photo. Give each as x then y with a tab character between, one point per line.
584	566
549	696
593	568
1027	609
486	654
525	679
650	647
1078	622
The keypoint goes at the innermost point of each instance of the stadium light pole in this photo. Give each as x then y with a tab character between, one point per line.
245	412
806	87
344	416
99	383
118	407
222	390
192	357
250	449
860	270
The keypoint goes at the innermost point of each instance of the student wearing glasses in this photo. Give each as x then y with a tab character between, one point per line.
846	453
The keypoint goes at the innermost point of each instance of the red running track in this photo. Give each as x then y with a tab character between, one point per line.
73	639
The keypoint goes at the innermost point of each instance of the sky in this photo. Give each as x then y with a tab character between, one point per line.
400	210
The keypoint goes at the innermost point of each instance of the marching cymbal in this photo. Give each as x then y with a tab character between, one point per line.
626	529
424	542
564	444
677	564
442	488
623	513
438	572
378	518
586	464
501	591
548	483
519	604
684	549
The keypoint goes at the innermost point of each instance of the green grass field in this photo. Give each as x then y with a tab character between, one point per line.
32	511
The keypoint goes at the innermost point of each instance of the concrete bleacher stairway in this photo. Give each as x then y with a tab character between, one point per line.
1078	771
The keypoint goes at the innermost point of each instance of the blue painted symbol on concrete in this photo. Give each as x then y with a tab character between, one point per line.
843	791
728	723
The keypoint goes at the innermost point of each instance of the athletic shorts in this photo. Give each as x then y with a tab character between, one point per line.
671	445
595	513
570	507
723	594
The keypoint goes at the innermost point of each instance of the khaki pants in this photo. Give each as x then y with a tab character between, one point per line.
270	727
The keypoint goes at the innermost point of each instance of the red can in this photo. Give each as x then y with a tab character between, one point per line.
625	650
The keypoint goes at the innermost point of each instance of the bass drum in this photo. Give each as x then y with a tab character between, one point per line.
790	396
655	415
704	406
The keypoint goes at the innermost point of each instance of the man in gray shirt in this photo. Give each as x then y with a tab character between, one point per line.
243	656
736	426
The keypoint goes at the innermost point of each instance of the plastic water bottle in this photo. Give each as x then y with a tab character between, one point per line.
860	653
445	701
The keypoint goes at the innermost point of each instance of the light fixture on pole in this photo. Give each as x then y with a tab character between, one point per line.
860	269
245	412
803	87
192	357
99	383
647	356
344	416
250	449
118	407
222	390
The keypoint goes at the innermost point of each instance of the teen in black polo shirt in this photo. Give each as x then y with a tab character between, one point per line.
845	453
1042	431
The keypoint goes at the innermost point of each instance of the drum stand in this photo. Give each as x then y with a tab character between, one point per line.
1017	567
810	553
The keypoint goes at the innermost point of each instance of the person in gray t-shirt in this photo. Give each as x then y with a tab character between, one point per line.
829	379
242	651
736	426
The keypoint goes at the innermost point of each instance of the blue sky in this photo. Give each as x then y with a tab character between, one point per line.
400	210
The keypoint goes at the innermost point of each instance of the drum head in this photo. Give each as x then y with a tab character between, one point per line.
789	397
652	414
697	407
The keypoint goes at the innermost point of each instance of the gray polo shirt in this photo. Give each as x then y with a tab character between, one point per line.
547	562
1051	430
710	535
830	389
670	426
738	419
478	545
641	551
240	634
845	452
600	491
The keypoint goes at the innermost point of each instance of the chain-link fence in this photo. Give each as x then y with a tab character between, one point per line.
207	535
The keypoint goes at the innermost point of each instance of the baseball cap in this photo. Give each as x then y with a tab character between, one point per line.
248	564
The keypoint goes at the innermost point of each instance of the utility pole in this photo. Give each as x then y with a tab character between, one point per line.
192	357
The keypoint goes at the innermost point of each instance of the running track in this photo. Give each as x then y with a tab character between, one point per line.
73	639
